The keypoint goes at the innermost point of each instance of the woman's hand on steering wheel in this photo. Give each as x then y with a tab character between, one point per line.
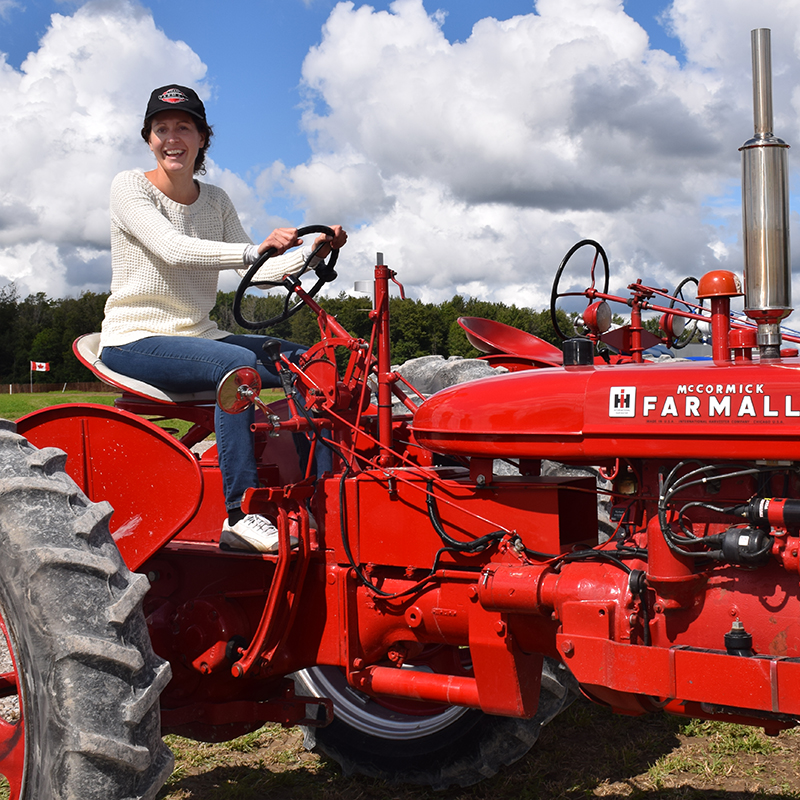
283	239
328	242
335	242
280	240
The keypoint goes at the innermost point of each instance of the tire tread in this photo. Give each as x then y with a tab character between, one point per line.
90	677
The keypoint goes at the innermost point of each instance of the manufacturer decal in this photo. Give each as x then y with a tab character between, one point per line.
705	401
173	96
622	401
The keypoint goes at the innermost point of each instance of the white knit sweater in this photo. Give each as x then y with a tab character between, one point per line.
166	258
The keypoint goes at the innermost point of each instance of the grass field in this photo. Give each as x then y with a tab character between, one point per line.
587	752
14	406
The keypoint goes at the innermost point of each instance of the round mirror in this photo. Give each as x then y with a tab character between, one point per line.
238	390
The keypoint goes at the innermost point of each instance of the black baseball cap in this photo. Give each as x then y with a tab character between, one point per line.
173	97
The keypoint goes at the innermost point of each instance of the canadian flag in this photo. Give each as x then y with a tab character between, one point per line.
40	366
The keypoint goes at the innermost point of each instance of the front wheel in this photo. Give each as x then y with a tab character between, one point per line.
425	745
79	682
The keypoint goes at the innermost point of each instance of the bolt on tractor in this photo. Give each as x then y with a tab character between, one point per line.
426	612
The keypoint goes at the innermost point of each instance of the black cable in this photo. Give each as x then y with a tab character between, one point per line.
670	486
623	529
536	554
314	433
417	587
602	555
475	546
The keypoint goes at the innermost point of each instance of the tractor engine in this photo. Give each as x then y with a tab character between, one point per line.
692	604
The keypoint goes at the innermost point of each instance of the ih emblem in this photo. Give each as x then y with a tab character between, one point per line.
622	401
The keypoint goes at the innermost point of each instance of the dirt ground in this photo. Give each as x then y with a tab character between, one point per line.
586	752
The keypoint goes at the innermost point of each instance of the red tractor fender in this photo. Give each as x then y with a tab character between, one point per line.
152	481
498	340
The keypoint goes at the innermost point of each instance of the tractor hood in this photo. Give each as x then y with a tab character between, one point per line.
590	414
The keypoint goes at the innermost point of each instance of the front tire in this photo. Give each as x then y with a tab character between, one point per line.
448	746
79	682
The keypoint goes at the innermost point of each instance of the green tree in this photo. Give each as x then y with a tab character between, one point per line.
8	324
40	329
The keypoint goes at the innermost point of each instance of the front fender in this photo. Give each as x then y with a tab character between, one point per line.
153	482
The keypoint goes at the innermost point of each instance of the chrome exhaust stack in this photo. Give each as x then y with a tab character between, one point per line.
765	210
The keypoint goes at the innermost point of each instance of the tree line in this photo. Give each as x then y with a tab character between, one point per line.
41	329
37	328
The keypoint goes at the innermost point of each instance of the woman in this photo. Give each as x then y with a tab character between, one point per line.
170	237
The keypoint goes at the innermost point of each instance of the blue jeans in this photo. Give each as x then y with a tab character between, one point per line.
191	364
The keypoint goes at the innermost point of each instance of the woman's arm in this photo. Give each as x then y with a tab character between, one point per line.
133	210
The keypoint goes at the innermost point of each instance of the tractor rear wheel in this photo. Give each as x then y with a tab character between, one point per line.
442	747
79	682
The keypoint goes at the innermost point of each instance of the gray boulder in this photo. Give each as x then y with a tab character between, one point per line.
430	374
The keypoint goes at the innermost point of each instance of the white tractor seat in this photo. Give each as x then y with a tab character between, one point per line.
87	349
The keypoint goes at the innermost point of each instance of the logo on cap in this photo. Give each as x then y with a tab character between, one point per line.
173	96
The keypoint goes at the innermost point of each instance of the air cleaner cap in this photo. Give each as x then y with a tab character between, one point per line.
719	283
578	352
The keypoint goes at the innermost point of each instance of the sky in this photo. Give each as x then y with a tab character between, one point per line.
473	142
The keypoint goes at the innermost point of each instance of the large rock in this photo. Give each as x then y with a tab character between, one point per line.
430	374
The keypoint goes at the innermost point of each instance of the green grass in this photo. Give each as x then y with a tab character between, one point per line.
14	406
722	749
587	752
727	738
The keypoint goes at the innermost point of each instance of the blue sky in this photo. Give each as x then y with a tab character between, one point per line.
472	141
230	36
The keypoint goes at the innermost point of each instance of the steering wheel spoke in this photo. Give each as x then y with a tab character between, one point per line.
589	292
288	282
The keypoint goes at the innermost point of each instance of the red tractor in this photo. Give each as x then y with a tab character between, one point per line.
434	612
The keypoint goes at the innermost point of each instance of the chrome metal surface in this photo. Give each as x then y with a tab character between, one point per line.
238	390
765	206
762	80
367	714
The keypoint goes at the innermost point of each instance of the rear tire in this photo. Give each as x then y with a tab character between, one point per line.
79	682
453	746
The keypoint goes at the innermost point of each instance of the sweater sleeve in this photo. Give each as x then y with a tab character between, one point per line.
289	263
134	212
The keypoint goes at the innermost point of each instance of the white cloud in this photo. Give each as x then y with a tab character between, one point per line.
476	165
6	6
473	166
70	121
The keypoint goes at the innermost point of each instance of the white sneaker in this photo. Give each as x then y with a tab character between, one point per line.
253	533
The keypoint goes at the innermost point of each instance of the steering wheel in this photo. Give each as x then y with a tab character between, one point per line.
324	271
556	294
691	305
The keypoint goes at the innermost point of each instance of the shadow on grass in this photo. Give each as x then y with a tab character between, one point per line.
586	752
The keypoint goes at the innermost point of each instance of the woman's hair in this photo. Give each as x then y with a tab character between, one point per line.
203	128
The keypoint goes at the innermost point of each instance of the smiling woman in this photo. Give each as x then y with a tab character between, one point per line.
171	235
177	132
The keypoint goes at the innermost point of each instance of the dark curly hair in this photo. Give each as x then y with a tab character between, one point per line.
203	128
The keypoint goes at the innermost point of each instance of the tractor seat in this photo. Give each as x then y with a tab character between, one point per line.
87	349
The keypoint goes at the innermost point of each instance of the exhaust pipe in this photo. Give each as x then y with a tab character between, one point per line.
765	210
